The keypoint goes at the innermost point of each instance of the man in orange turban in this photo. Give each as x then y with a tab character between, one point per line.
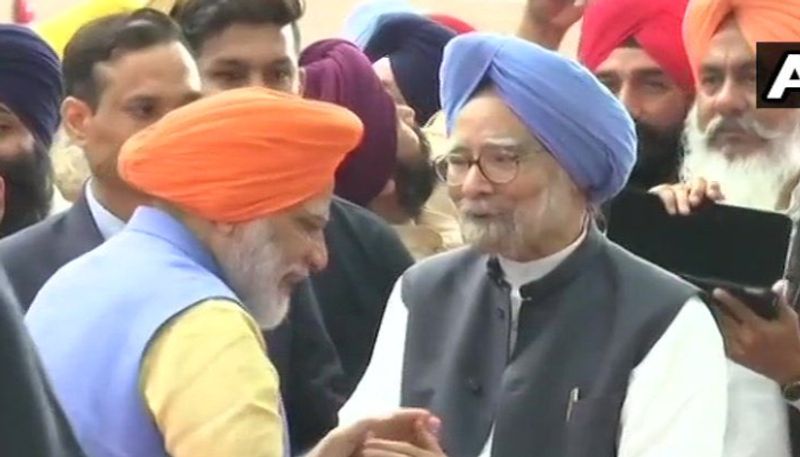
240	194
752	158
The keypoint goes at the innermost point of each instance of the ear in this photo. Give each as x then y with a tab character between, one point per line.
77	116
388	188
226	228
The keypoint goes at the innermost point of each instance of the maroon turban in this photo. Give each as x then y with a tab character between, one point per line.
338	72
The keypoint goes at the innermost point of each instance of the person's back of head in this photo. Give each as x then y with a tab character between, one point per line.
241	43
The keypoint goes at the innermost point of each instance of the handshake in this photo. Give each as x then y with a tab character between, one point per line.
405	433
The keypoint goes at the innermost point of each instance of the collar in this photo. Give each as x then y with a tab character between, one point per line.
519	273
107	223
158	224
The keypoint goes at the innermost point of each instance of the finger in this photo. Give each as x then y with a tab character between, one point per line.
397	447
380	453
734	349
736	308
682	200
697	192
428	435
729	325
667	196
785	311
714	192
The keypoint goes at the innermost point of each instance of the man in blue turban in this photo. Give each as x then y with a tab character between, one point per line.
542	337
30	99
407	51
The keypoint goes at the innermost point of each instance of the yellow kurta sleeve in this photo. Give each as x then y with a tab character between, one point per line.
210	386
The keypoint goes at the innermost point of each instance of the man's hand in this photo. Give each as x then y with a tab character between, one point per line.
683	198
401	427
545	22
426	436
771	348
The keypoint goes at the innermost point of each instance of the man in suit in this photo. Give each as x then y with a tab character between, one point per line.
123	73
241	43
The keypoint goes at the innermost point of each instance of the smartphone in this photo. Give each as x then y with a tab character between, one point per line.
741	250
762	301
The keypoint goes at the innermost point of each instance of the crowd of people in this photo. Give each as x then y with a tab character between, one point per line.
391	243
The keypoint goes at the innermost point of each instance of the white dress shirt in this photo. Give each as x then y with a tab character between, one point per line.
676	403
107	223
758	423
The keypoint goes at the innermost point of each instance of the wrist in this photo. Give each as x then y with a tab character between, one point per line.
546	35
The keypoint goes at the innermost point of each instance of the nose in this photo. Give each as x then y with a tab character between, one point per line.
318	256
731	100
631	101
475	184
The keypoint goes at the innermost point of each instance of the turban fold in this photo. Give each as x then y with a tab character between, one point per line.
759	20
240	155
338	72
414	45
656	25
576	118
30	81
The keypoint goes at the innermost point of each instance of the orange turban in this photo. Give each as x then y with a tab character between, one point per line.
759	20
241	154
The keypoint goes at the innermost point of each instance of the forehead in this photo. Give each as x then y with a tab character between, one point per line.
628	60
163	69
250	44
487	116
728	47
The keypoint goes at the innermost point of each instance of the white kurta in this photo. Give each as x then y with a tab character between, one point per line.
676	403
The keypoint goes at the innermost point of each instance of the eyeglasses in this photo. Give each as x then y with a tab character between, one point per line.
498	167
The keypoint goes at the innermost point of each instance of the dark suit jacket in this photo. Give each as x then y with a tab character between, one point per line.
32	423
300	348
366	260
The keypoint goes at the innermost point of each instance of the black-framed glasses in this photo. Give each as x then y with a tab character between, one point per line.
498	167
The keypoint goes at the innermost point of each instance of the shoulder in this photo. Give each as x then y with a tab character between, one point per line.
638	269
446	269
36	237
214	318
353	224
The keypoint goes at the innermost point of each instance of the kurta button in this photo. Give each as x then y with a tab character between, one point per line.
474	386
501	313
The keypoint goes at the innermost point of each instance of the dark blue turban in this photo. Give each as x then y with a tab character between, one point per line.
414	45
581	123
30	81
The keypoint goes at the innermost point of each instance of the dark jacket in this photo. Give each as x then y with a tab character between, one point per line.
366	260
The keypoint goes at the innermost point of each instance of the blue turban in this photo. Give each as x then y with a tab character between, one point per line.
414	45
30	81
564	106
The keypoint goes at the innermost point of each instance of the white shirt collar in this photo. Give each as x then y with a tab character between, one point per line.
107	223
519	273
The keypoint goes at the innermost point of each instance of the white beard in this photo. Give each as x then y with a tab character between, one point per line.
253	266
756	180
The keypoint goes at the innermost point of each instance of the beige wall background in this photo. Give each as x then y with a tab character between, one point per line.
324	18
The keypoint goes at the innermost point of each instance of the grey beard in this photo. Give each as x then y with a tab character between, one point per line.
252	265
